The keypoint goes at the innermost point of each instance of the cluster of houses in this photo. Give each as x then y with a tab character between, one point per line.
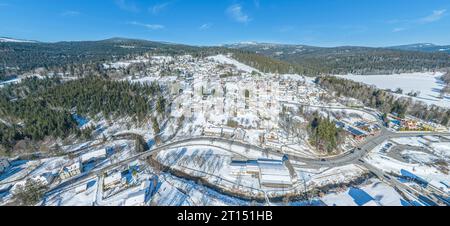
244	107
410	123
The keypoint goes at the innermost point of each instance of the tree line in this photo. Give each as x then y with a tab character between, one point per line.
384	101
323	133
38	108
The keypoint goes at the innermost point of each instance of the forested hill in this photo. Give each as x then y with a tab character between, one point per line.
19	57
23	56
424	47
348	59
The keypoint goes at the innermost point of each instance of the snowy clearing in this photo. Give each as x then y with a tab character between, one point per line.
428	84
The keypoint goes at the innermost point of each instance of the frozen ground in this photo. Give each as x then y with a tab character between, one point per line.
227	60
420	166
441	149
337	175
411	141
375	193
429	85
419	157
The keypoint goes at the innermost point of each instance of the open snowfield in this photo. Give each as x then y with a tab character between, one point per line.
227	60
429	85
15	40
419	157
375	193
337	175
441	149
411	141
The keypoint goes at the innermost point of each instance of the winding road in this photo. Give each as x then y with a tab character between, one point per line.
353	157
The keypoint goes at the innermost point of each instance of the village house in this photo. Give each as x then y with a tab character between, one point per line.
71	170
112	180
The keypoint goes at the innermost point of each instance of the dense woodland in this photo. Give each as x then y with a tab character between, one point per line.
446	80
310	60
24	57
38	108
17	58
384	101
323	133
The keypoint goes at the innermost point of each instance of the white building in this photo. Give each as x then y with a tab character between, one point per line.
213	131
274	174
70	170
99	154
136	199
4	164
112	180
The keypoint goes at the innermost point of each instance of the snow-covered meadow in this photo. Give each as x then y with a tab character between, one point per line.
428	84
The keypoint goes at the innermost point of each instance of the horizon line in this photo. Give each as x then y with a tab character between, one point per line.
221	44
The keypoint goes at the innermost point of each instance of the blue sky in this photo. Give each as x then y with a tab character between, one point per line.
211	22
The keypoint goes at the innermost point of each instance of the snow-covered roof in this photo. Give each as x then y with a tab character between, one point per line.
93	155
72	167
112	179
274	172
136	199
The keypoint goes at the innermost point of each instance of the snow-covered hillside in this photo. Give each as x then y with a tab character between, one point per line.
428	84
4	39
227	60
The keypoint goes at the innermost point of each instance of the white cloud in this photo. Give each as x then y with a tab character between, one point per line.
435	16
205	26
158	8
236	13
148	26
398	29
127	6
70	13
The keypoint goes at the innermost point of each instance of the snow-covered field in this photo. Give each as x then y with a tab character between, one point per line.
428	84
375	193
337	175
15	40
418	156
441	149
410	141
227	60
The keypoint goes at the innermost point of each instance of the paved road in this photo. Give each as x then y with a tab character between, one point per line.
348	158
363	149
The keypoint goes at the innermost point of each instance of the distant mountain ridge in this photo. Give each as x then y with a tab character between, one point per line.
22	55
7	39
351	59
423	47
